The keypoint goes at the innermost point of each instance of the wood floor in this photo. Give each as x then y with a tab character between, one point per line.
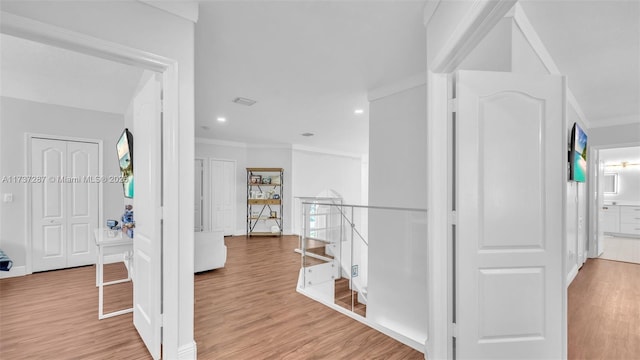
604	311
250	310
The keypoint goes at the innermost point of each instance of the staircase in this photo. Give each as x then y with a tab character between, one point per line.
344	296
348	298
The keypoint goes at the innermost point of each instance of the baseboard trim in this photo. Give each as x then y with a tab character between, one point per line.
188	352
14	272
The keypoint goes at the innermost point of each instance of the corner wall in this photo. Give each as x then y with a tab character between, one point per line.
397	278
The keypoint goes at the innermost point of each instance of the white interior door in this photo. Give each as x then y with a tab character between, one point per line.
510	171
82	204
223	195
147	242
48	223
65	205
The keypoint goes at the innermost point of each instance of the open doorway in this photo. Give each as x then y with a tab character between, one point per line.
618	210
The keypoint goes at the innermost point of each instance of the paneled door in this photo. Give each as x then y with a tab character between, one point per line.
65	204
147	203
510	174
223	196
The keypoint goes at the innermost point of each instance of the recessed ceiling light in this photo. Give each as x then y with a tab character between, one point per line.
221	119
307	134
358	111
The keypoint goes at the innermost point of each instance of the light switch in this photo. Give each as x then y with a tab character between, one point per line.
7	197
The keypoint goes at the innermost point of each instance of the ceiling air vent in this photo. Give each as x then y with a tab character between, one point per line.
307	134
244	101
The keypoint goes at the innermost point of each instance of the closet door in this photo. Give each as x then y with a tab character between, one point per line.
48	223
82	203
64	205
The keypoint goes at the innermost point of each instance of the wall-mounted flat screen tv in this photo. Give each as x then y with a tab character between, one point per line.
578	155
125	160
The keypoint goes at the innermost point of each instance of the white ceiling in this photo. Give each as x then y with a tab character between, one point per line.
311	64
596	44
308	64
42	73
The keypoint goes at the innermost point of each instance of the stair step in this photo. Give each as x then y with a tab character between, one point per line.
321	250
343	297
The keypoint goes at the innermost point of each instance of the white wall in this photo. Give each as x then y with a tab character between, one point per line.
146	28
397	245
18	117
306	173
315	172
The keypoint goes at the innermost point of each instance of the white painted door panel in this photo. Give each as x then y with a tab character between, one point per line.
147	242
48	223
223	196
510	172
82	204
65	205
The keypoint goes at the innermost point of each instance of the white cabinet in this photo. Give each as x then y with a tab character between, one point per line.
610	218
630	220
620	219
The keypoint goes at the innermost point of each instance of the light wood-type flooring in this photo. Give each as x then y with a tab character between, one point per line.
250	310
247	310
604	311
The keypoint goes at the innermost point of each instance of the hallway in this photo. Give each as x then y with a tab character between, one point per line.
604	311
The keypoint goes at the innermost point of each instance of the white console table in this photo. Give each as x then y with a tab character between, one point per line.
109	245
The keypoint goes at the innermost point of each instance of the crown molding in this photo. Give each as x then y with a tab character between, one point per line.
616	121
315	150
207	141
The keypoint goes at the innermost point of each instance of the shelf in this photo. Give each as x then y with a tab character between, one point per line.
265	169
264	218
263	201
250	184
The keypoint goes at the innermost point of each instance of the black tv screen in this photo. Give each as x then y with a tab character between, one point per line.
125	160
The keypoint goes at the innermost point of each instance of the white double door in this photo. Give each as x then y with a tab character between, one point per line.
64	203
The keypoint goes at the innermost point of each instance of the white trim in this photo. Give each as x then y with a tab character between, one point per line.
472	28
615	121
206	141
177	276
572	274
315	150
438	153
429	9
28	239
187	10
522	21
14	272
269	146
188	351
397	87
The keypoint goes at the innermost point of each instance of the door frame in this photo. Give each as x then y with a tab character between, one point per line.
478	20
177	247
28	240
594	211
